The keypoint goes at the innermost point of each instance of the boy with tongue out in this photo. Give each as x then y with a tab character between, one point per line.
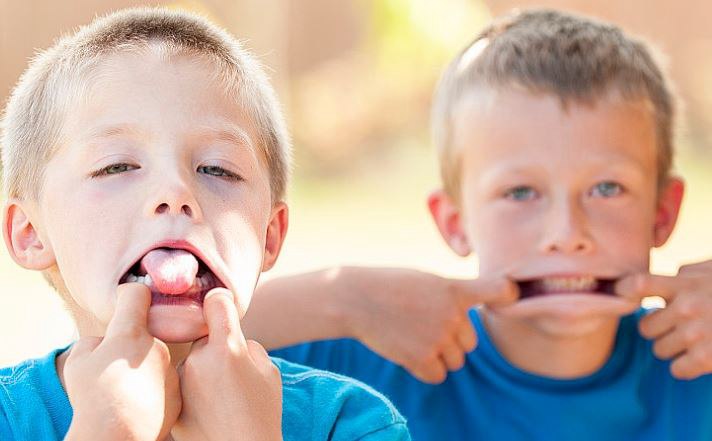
555	142
144	162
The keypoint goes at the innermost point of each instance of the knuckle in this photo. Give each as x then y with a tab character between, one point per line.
680	371
691	334
686	307
659	351
257	351
458	362
453	322
427	360
131	331
702	357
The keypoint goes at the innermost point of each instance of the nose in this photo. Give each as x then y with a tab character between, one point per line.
175	197
567	230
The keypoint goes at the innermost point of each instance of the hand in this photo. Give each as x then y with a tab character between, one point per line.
231	389
418	320
683	329
122	386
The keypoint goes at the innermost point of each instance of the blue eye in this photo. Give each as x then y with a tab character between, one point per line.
521	193
214	170
607	189
113	169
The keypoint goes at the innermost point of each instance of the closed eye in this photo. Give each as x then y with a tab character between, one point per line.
114	169
214	170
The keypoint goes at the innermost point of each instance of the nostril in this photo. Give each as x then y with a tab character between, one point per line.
188	211
162	208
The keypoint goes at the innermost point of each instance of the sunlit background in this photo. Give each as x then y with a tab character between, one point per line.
356	78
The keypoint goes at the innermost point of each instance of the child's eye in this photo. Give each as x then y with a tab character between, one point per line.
607	189
521	193
114	169
214	170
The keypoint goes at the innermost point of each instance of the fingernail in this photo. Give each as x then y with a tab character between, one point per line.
220	291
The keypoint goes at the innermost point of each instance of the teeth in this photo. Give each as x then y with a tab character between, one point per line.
585	283
206	281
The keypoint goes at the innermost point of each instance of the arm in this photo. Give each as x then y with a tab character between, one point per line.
296	309
415	319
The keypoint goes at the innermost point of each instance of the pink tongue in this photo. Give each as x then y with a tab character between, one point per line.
172	271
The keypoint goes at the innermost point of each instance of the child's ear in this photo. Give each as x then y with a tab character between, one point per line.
22	239
276	231
447	216
668	208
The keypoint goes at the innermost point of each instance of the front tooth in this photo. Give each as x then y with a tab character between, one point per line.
569	284
147	280
140	279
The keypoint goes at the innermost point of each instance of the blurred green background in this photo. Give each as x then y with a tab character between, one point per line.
356	78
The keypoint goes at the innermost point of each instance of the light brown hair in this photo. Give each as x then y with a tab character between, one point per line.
575	58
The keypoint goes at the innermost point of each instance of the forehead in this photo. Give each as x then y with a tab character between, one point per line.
135	93
518	128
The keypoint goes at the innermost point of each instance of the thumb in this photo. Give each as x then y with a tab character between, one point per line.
221	315
131	312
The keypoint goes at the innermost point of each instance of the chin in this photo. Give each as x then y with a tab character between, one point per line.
172	324
569	327
569	315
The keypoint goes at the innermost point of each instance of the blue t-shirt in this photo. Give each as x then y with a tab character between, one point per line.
316	405
632	397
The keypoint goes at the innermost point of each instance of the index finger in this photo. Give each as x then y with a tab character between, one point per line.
638	286
486	291
131	311
221	315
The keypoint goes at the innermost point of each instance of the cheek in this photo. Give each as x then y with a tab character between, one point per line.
240	235
628	228
500	236
85	239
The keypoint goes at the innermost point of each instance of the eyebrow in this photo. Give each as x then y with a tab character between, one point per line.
113	131
230	133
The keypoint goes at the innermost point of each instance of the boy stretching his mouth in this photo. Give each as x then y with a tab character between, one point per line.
145	162
555	144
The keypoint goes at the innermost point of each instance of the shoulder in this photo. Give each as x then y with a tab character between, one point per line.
32	400
16	386
15	380
336	404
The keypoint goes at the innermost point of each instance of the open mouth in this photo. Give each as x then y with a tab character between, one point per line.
175	276
565	285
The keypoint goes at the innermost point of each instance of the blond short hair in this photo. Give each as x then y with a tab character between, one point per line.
56	79
572	57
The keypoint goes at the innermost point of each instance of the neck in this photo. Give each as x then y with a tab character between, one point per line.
556	355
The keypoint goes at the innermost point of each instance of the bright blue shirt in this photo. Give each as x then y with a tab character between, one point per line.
632	397
316	405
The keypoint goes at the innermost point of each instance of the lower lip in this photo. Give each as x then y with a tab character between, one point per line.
177	300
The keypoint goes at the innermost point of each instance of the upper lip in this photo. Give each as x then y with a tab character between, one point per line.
179	244
564	276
